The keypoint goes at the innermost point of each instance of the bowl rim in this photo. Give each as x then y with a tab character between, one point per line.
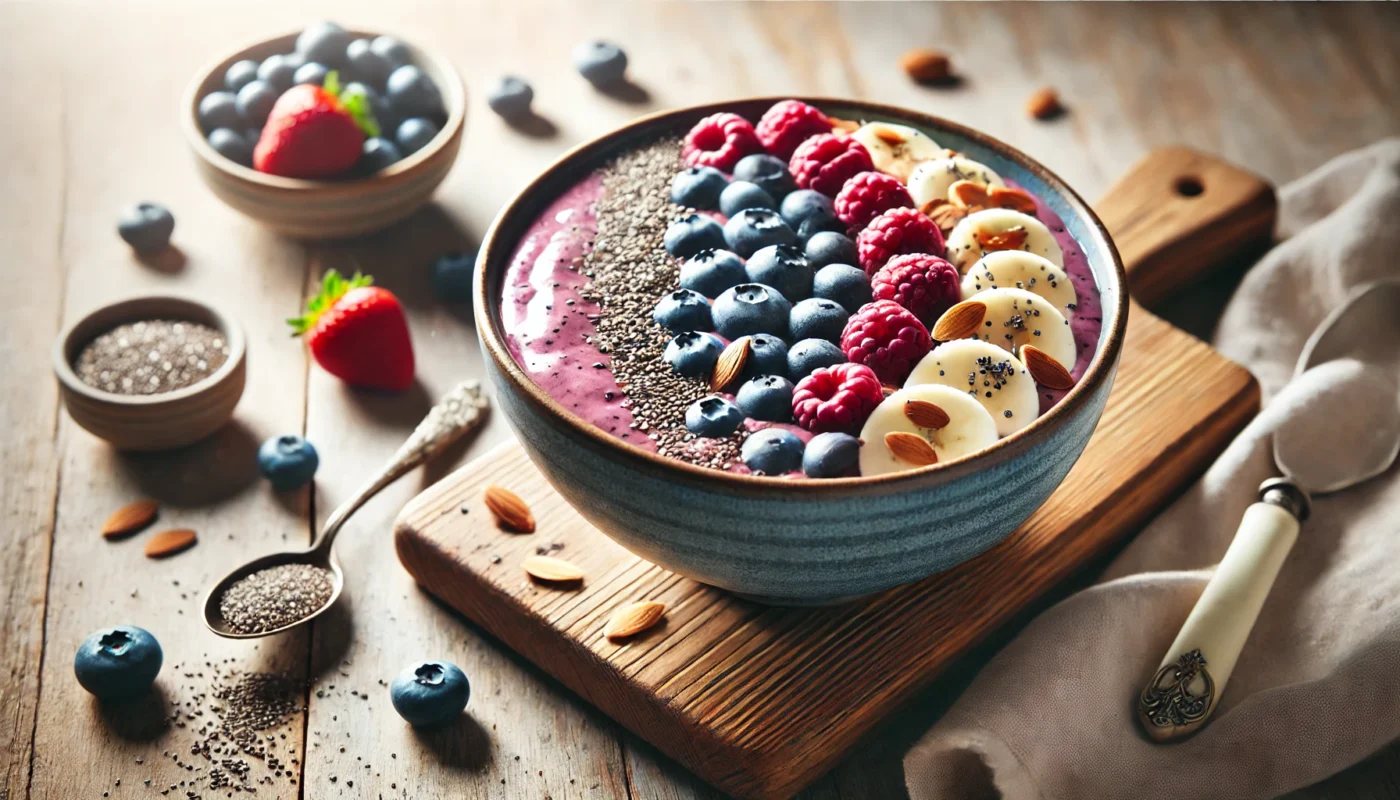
493	250
454	94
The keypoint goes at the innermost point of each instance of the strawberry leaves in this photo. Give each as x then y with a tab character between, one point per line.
354	100
333	287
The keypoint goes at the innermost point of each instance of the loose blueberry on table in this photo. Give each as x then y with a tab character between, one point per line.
452	277
430	694
146	227
600	63
288	462
510	98
118	662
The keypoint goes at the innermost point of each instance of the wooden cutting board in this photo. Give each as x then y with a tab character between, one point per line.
760	701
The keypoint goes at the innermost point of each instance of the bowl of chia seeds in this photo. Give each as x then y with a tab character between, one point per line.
152	372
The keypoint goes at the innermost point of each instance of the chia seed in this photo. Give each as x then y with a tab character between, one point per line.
275	597
151	357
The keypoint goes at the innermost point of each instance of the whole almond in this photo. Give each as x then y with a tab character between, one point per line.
130	518
1009	239
551	570
968	194
510	511
1044	104
926	66
1014	199
168	543
1044	369
634	618
960	321
911	448
731	363
925	414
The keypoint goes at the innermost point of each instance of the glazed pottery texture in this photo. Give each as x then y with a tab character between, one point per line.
813	541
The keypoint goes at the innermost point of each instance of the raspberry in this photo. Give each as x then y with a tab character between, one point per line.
895	232
719	141
836	398
866	196
926	285
824	163
886	337
785	125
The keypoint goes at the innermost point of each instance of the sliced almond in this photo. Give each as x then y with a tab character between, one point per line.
925	414
843	125
510	511
1044	104
551	570
944	214
968	194
130	518
888	389
911	448
168	543
731	364
1014	199
634	618
960	321
1009	239
1044	369
889	137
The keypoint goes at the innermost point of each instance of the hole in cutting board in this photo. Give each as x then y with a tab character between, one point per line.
1189	186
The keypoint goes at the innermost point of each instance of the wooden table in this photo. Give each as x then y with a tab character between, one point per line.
92	92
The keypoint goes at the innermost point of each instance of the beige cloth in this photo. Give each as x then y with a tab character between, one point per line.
1318	685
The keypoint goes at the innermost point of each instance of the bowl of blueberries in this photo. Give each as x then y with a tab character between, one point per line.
326	132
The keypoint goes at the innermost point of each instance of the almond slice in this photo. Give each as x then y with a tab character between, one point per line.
130	518
911	448
1014	199
510	511
925	414
968	194
944	214
551	570
960	321
634	618
168	543
1044	369
889	137
843	125
731	363
1009	239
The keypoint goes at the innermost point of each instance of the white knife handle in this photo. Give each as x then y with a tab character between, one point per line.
1189	681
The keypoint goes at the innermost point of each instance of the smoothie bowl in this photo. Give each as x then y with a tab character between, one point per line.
801	350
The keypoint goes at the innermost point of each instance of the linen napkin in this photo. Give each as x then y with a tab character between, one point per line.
1317	687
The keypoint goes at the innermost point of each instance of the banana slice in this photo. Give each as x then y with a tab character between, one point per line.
1010	319
1021	270
930	180
997	379
996	229
896	149
898	436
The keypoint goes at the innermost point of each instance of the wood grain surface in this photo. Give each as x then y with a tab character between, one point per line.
1276	89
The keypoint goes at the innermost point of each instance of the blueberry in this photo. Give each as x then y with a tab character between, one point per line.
146	227
377	154
452	277
430	693
683	310
830	247
325	42
600	63
288	462
805	204
698	187
815	225
384	114
510	98
769	172
750	308
255	101
391	50
767	356
220	110
772	451
741	195
766	397
810	355
118	662
693	354
365	64
784	268
713	417
312	72
691	234
843	283
818	318
755	228
710	272
831	455
414	134
413	93
240	74
232	145
278	72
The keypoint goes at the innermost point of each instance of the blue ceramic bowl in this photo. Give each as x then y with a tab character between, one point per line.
814	541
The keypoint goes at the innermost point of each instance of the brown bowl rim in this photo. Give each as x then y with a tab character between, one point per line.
493	251
455	95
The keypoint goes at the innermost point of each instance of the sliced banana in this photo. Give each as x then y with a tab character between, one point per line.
997	379
930	180
969	428
1009	319
1021	270
996	229
896	149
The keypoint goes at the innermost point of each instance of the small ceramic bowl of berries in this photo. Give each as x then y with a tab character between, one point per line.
325	132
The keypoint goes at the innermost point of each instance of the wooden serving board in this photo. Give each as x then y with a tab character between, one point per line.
759	700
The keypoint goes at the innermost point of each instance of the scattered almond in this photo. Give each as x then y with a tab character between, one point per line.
911	448
1044	369
551	570
969	193
1044	104
510	511
889	137
634	618
944	214
1014	199
731	363
1009	239
960	321
925	414
168	543
130	518
843	125
926	66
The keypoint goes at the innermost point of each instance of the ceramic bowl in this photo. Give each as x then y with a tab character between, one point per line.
805	541
155	421
335	208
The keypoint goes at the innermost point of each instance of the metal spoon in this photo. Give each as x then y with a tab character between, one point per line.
459	411
1184	691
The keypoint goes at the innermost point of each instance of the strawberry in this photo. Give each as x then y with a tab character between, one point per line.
358	333
314	131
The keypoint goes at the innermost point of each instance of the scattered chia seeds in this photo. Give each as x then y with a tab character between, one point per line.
151	357
275	597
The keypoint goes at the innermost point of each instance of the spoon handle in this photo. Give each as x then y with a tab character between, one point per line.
1188	683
